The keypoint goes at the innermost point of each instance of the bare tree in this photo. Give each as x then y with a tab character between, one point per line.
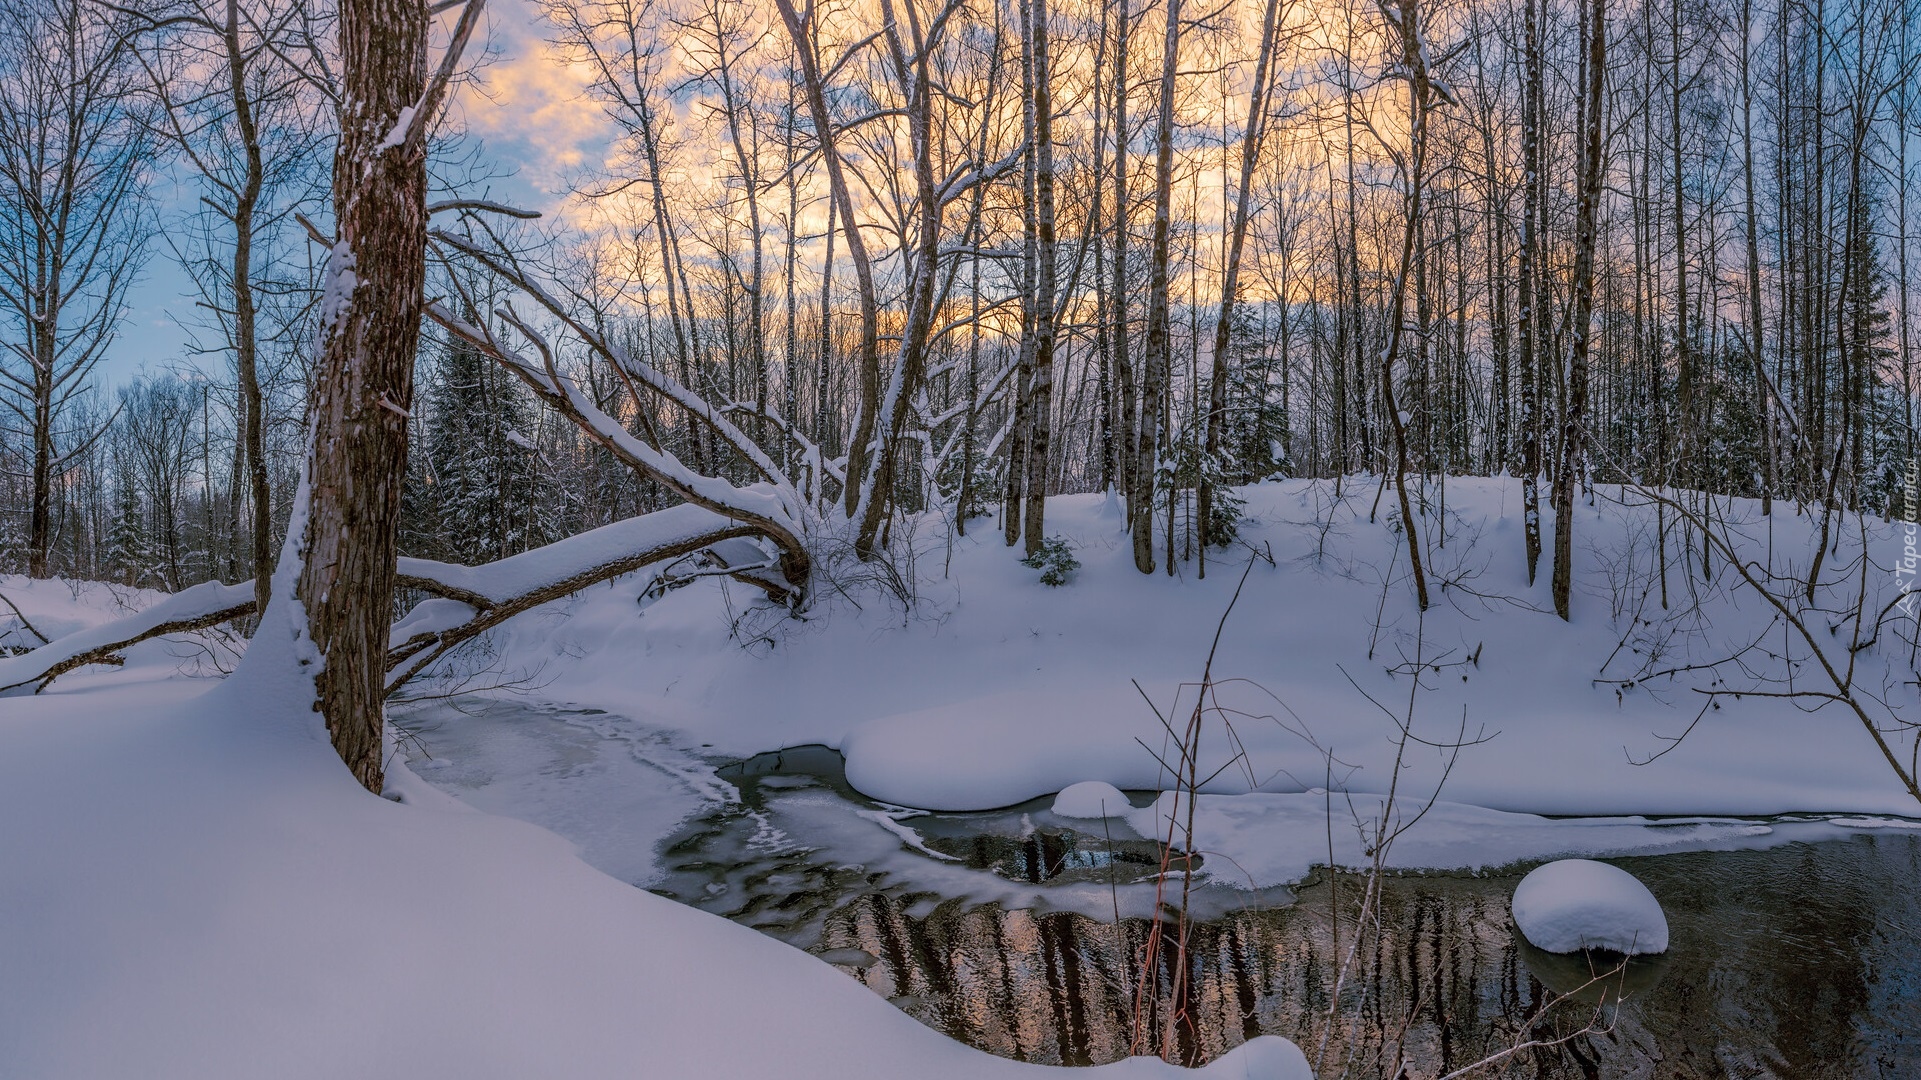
1155	363
74	162
244	120
1573	417
1251	138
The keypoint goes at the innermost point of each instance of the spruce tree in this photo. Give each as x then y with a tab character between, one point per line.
130	552
481	485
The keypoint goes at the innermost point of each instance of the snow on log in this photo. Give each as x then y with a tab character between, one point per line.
473	599
207	604
566	565
773	507
467	600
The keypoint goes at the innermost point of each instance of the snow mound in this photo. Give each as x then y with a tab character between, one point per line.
1577	904
1091	799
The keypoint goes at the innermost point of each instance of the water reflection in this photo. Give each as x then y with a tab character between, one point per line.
1044	855
1802	961
1796	962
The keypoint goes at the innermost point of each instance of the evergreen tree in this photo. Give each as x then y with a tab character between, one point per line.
1255	426
131	555
478	490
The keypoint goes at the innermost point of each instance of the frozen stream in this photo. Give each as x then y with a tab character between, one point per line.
1799	961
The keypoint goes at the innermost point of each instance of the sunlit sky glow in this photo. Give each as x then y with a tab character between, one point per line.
534	121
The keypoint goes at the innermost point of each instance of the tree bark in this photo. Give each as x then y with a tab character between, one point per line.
364	386
1155	363
1530	318
1573	416
1041	389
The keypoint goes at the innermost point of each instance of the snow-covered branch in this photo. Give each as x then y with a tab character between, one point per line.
471	600
207	604
773	509
641	371
466	600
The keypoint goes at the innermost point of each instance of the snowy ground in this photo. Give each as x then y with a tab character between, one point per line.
195	887
994	689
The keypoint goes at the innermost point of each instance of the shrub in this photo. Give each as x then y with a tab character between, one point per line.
1055	560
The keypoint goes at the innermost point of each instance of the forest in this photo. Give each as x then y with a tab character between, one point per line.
577	409
1020	251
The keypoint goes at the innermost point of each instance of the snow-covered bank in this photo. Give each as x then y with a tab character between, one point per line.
995	689
194	887
56	607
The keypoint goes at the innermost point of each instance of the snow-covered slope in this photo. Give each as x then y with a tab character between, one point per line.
57	607
194	887
994	689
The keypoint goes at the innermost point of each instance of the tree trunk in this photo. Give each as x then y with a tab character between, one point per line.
1041	390
252	407
1230	277
799	31
1573	416
1156	361
1530	318
364	386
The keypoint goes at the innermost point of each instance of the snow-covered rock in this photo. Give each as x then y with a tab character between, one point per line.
1091	799
1577	904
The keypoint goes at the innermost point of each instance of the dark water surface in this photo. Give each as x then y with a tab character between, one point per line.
1800	961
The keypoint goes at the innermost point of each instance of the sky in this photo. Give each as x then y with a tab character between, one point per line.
528	110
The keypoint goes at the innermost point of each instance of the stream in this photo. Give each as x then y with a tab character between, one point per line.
1019	932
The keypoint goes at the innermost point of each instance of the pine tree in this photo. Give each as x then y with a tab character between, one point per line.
480	482
130	552
1254	424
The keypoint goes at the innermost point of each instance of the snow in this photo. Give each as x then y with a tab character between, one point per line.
434	615
1577	904
555	564
1262	840
59	606
397	135
196	888
992	690
1091	799
94	631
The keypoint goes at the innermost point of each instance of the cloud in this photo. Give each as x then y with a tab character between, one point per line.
532	109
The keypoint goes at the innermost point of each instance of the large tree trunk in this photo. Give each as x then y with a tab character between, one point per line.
364	385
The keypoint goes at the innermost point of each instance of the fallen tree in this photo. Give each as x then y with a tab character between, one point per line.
463	601
468	601
773	505
207	604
